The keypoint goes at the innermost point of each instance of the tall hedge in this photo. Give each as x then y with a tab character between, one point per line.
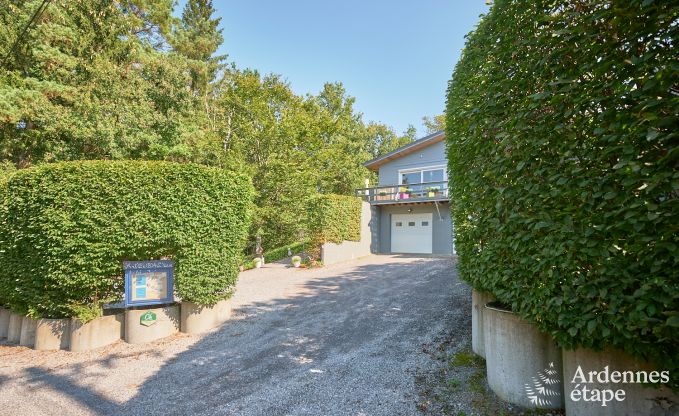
562	141
66	228
333	218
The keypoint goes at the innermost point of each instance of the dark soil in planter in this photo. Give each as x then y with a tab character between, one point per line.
499	306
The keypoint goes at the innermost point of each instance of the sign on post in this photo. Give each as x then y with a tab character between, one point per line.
148	282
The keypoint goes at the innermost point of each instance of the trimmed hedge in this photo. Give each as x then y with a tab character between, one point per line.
280	253
562	138
333	218
66	228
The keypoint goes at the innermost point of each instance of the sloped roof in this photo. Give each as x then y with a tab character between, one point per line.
436	137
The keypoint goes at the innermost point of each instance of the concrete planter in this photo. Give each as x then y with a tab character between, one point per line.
479	300
637	400
28	328
4	322
14	327
97	333
523	364
166	323
52	334
196	319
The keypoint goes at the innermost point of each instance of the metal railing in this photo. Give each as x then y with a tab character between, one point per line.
426	191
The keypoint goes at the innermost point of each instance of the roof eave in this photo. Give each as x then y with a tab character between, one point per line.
435	137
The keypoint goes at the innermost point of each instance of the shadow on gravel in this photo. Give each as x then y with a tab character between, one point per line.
275	354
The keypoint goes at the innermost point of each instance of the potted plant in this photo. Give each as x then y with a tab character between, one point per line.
403	193
258	262
433	191
296	261
382	196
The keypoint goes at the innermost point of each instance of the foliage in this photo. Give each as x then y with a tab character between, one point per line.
333	218
561	130
66	228
126	80
434	124
87	81
197	37
280	253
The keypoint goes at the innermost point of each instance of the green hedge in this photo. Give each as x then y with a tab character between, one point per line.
333	218
66	228
280	253
562	138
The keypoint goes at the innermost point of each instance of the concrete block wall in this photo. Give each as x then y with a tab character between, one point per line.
167	323
76	336
196	319
332	253
97	333
4	322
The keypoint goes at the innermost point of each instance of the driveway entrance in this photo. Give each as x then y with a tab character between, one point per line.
340	340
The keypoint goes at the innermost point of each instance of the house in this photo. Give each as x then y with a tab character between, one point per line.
410	210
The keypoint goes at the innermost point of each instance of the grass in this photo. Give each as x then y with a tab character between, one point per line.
467	358
477	382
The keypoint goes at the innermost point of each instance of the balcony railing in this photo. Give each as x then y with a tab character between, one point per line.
415	192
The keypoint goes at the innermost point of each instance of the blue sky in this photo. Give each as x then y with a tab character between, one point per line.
395	57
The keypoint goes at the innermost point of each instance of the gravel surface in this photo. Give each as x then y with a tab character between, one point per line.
339	340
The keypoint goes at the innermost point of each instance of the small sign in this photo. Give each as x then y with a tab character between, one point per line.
148	319
148	282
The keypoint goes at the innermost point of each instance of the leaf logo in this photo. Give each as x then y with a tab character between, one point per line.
545	389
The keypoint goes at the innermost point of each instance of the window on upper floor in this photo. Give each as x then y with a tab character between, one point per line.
424	175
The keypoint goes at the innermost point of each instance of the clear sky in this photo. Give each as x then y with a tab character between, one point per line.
395	57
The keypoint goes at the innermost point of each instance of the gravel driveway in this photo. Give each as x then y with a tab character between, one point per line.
340	340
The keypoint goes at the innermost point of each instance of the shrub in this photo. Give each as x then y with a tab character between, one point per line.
279	253
66	228
561	130
333	218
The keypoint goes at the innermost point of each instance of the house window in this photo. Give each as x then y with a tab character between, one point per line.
411	224
434	175
425	223
424	175
398	223
411	177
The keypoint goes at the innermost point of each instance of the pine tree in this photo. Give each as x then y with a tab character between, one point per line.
198	37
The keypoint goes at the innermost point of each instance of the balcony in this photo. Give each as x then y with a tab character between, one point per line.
407	193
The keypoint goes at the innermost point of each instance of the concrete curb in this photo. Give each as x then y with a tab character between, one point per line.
518	360
638	400
4	322
479	300
196	319
28	328
53	334
14	327
97	333
167	323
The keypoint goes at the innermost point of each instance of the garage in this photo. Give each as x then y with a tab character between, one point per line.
411	233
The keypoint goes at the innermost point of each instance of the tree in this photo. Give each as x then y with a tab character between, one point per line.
198	37
87	81
434	124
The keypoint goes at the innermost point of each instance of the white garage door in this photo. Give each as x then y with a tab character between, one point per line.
411	233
